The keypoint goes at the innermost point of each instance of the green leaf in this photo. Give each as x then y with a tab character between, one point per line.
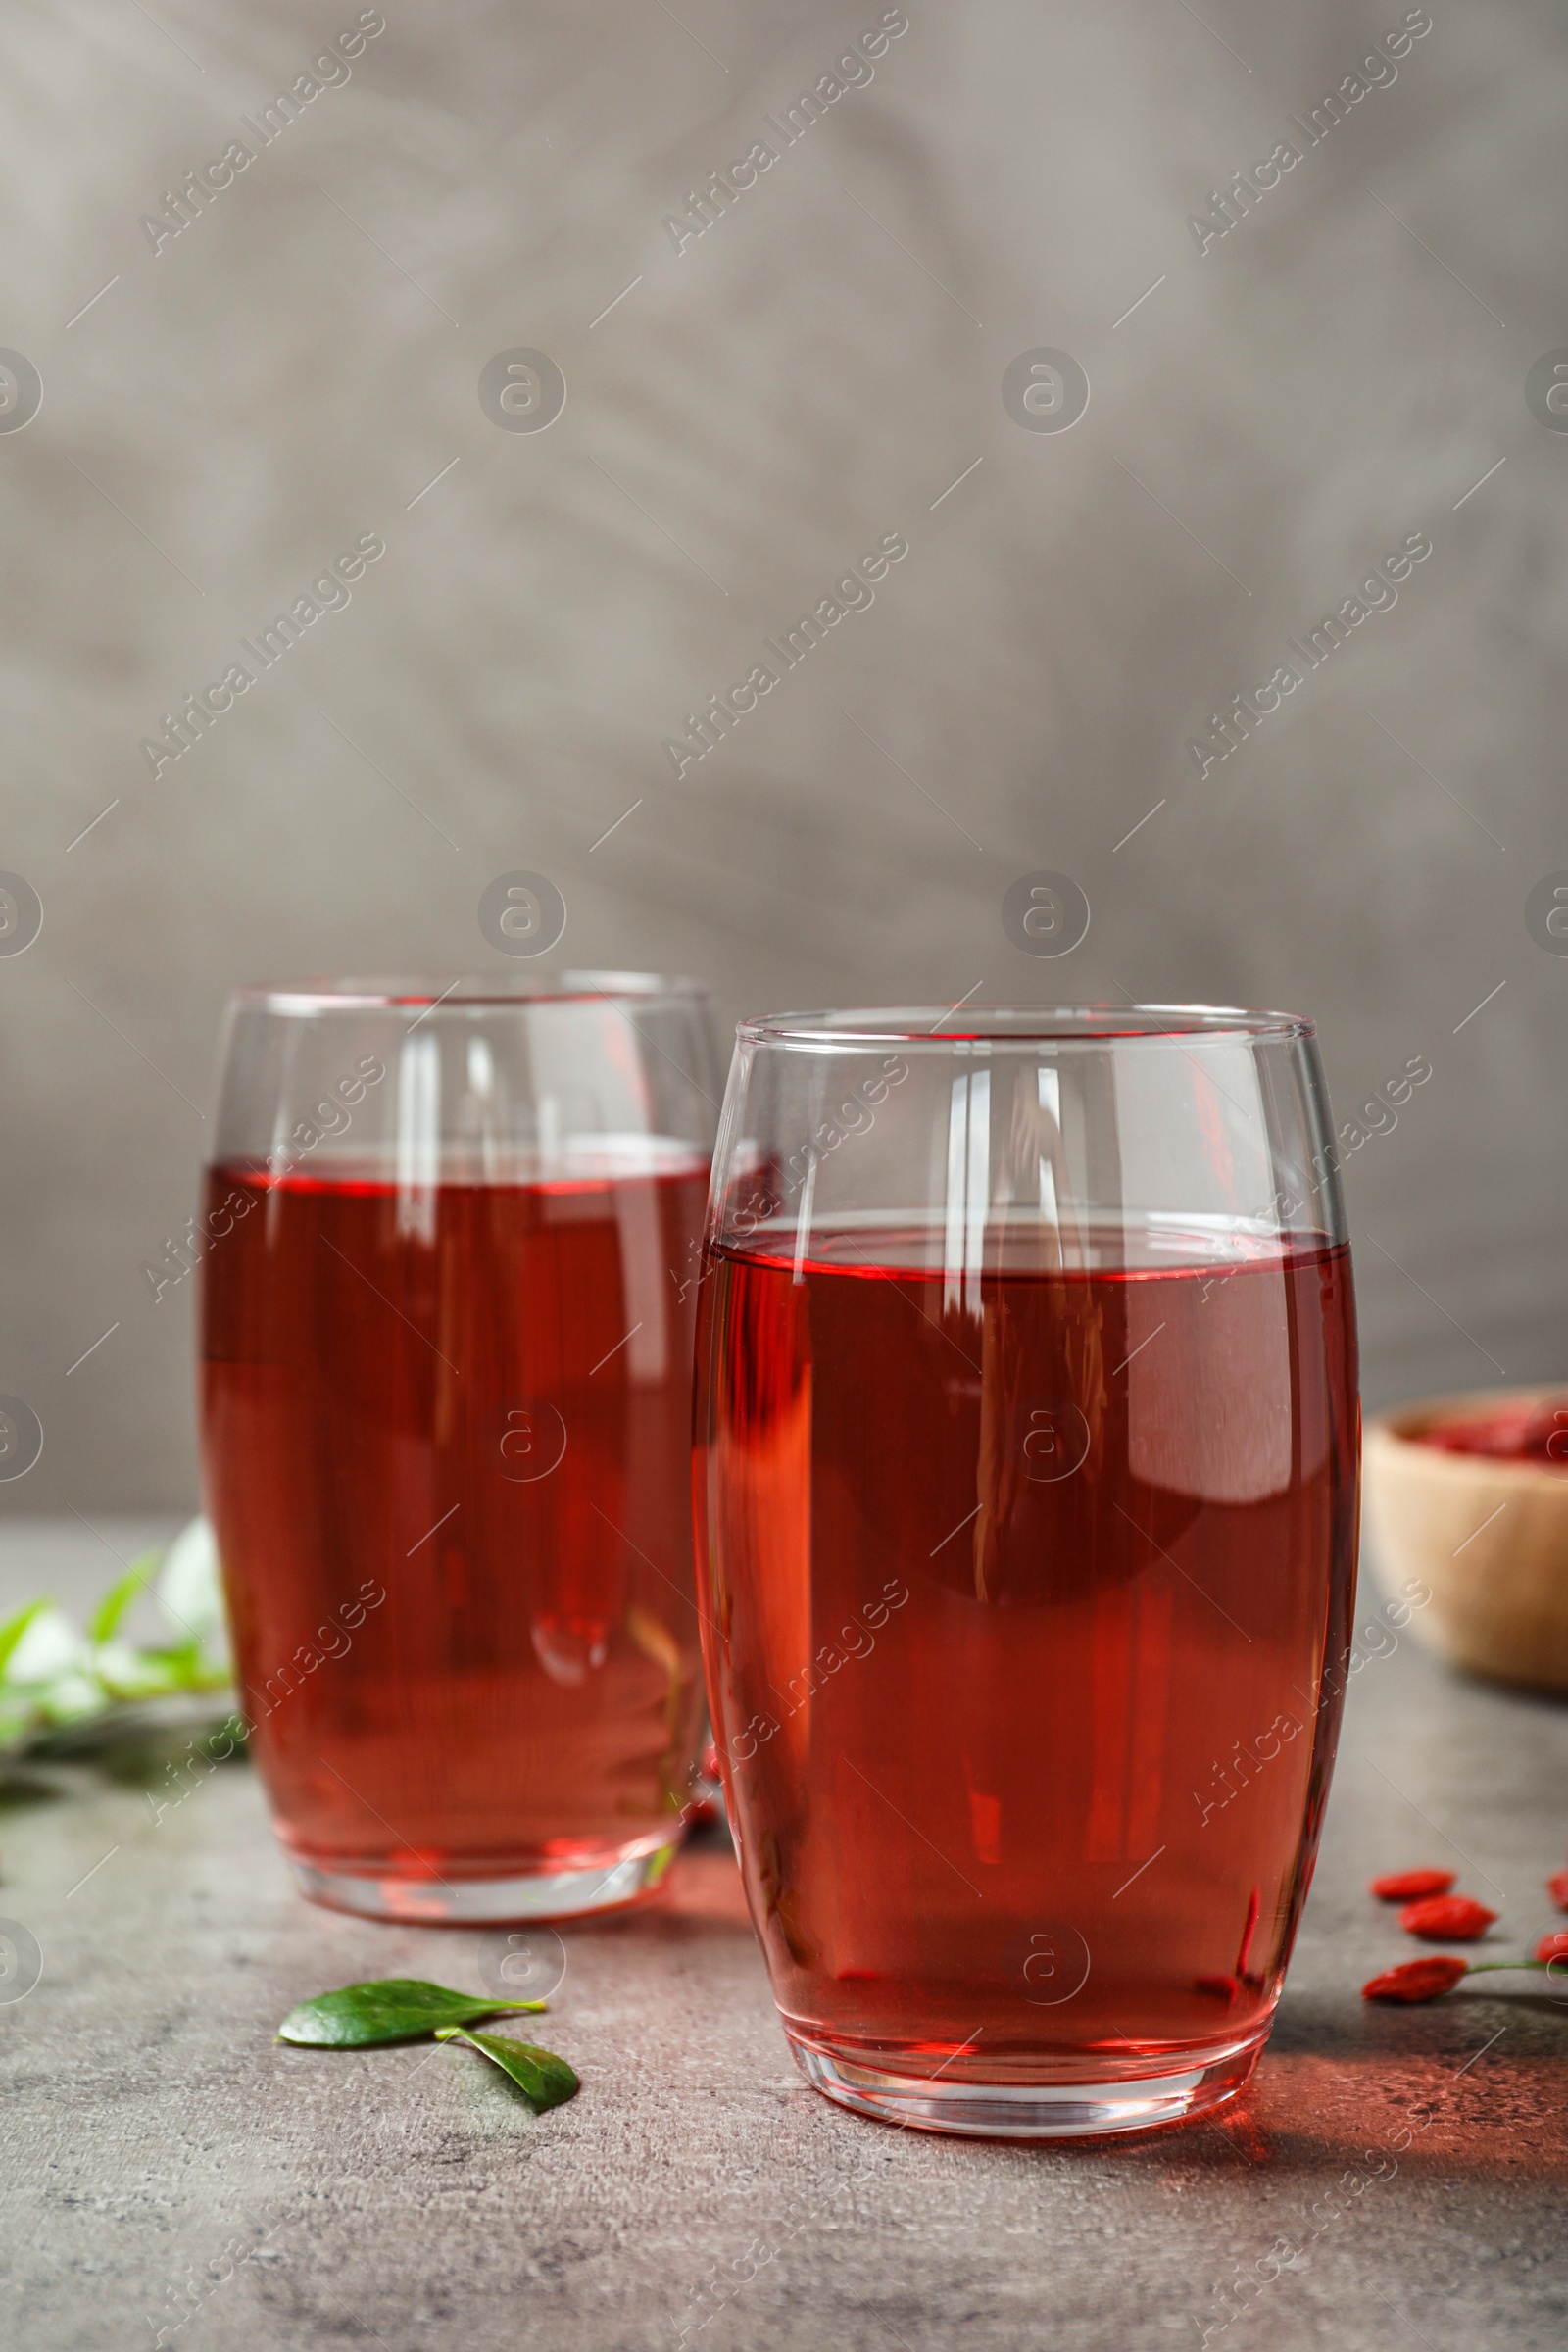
139	1674
12	1631
391	2009
105	1619
544	2080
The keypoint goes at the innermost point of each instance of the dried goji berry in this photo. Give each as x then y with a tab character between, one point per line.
1218	1989
1554	1945
1408	1886
1557	1888
1447	1918
1416	1980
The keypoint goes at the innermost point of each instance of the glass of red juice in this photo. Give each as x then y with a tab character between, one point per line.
1027	1448
451	1241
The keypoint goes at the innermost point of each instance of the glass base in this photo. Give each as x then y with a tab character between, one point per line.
1031	2110
466	1902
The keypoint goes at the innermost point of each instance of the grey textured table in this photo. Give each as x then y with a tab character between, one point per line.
168	2166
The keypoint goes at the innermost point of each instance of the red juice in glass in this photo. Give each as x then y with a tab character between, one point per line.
967	1726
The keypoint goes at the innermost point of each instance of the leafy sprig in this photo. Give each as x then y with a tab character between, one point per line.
56	1675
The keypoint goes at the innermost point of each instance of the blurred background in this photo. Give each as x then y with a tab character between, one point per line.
211	389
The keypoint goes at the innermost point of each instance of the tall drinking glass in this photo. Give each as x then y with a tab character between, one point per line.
449	1270
1026	1464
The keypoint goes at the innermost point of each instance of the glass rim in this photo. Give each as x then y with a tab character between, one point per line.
437	994
914	1026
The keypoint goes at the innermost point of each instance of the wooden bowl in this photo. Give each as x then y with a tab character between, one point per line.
1488	1536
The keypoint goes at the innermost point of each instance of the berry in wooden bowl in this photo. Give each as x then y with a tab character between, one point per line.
1469	1496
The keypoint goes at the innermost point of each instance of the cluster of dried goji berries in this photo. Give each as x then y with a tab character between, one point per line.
1432	1912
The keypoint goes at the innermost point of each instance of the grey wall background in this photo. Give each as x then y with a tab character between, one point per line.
814	370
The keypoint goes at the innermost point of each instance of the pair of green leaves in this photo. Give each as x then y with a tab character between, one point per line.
359	2017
